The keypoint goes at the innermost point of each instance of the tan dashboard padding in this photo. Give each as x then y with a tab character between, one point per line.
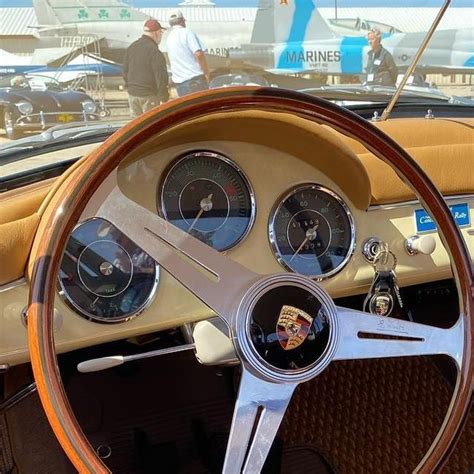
15	244
46	206
17	233
451	167
23	202
443	148
418	132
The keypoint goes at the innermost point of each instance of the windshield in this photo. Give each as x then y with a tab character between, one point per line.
68	63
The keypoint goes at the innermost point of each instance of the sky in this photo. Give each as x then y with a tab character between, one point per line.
254	3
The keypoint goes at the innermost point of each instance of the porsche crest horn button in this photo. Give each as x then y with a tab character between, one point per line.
292	327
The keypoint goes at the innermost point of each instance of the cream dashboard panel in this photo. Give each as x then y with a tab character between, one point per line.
271	173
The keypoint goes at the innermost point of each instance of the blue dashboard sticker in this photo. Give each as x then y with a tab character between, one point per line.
424	222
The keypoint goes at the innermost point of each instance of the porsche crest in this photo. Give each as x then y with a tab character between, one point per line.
292	327
283	2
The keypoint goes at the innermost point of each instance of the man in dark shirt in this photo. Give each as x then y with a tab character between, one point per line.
381	68
144	70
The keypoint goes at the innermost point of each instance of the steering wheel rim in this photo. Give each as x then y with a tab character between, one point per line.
105	159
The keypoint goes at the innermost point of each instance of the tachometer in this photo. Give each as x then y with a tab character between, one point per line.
104	276
312	231
208	196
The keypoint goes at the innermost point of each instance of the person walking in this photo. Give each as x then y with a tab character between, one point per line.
381	68
144	70
189	69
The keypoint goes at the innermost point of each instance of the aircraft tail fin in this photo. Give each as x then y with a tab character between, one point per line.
63	12
289	21
45	13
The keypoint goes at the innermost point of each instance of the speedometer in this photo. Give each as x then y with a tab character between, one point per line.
312	232
208	196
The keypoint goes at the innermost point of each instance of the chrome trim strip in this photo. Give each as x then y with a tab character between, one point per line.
414	202
12	284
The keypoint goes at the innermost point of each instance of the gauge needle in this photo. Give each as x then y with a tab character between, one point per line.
206	205
310	236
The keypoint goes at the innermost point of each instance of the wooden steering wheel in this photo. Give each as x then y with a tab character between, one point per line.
234	292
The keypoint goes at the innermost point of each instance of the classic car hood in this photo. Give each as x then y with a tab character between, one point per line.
49	100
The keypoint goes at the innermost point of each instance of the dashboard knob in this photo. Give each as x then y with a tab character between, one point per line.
424	244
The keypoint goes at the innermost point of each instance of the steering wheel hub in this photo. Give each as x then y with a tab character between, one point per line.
286	328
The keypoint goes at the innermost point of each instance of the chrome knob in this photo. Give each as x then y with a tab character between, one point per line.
424	244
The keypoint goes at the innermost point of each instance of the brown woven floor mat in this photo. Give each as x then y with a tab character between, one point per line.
362	416
375	416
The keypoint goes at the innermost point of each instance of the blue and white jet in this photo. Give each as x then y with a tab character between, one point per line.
291	36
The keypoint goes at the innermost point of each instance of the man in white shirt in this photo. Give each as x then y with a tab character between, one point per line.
189	69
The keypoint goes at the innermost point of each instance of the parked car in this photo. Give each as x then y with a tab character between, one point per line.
35	102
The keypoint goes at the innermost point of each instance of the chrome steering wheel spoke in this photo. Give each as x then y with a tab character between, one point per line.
216	280
367	336
258	412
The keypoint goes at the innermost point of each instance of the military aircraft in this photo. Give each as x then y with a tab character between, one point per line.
105	18
293	37
115	25
287	36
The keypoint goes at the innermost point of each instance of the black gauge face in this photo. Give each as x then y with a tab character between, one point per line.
312	232
207	196
104	275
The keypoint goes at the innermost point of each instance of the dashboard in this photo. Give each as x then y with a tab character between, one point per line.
272	192
310	230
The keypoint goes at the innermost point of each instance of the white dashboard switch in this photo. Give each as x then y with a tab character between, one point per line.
424	244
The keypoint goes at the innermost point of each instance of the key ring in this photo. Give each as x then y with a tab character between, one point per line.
386	254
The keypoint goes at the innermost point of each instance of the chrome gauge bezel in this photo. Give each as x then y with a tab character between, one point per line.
272	235
219	156
70	303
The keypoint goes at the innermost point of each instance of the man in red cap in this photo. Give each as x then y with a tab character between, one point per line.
144	70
